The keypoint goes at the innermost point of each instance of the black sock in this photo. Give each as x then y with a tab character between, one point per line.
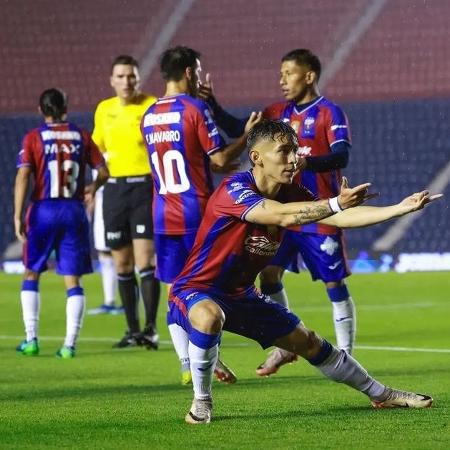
129	294
150	289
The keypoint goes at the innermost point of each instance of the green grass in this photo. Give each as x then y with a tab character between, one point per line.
132	399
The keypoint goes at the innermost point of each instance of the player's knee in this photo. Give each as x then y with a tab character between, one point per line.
30	275
207	317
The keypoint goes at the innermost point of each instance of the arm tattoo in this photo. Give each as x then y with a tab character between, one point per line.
312	213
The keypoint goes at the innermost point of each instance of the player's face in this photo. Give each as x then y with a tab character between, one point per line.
295	80
278	159
125	81
195	79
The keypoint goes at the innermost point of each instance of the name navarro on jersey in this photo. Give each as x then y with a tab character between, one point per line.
163	136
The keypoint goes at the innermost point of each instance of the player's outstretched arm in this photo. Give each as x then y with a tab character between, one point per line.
20	192
223	157
363	216
271	212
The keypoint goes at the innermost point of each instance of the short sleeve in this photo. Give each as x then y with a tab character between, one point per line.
338	129
25	158
94	157
207	132
98	133
236	198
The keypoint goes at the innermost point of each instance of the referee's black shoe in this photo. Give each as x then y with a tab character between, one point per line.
149	338
129	340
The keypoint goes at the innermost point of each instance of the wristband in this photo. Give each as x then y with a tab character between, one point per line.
334	205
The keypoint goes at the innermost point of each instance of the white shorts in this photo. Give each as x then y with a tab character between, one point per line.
99	224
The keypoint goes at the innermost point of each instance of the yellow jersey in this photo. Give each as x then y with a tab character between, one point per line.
117	132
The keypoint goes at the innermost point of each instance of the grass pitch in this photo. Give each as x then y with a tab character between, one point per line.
132	398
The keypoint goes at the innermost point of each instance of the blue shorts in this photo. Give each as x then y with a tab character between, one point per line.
172	252
61	226
252	315
323	255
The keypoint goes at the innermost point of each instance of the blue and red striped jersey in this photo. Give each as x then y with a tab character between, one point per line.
229	252
58	154
180	134
319	126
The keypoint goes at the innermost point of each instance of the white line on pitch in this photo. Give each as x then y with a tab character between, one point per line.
239	344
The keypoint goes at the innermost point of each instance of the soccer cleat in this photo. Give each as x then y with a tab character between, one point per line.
186	377
66	352
200	412
277	358
149	338
224	373
28	348
129	340
393	398
105	309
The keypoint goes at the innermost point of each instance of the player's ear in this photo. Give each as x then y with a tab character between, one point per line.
189	72
310	77
255	157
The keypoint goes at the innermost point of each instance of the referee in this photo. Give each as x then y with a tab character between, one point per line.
127	201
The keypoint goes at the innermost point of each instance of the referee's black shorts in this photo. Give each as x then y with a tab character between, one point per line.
127	210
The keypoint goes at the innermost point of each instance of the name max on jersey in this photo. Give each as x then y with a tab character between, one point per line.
163	136
61	148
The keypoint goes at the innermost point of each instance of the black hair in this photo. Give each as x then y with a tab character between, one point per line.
304	57
53	103
271	129
174	61
126	60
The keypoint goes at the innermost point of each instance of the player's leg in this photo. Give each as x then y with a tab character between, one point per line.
141	230
341	367
324	255
42	231
150	290
72	261
107	268
75	307
30	301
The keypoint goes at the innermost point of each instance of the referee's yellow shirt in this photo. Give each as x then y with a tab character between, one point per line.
117	133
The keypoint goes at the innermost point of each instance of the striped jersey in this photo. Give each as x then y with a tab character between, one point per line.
319	125
229	252
58	154
180	134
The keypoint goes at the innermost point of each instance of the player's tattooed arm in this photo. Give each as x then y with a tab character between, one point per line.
312	213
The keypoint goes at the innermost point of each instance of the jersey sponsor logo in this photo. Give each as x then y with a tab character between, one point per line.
140	229
335	265
335	127
329	246
261	245
163	136
244	195
49	135
162	119
113	235
235	186
304	151
68	148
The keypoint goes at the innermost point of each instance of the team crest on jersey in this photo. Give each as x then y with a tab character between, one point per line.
261	245
329	246
309	123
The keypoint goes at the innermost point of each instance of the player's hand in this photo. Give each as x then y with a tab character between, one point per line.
255	117
418	201
205	90
19	228
351	197
229	168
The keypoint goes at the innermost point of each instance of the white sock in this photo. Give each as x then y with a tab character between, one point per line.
281	298
30	312
180	340
109	278
343	368
203	362
74	318
344	317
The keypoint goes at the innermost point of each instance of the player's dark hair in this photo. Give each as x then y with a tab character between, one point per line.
125	60
271	129
174	61
304	57
53	103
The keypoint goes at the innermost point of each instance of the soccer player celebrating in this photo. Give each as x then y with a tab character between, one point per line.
182	140
324	138
241	231
56	155
127	199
